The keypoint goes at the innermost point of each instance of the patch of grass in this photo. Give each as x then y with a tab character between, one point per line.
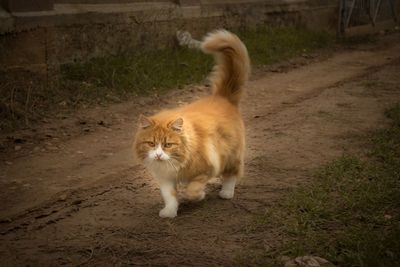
349	213
158	71
140	73
274	44
23	98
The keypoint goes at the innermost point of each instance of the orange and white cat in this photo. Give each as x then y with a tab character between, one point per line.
202	140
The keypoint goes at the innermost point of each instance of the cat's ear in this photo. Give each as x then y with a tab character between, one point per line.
144	122
176	125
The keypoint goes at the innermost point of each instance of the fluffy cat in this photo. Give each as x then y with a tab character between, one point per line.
202	140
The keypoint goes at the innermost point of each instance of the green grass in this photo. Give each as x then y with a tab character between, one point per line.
349	213
141	73
158	71
271	45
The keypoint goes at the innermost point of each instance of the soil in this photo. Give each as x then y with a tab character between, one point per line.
72	195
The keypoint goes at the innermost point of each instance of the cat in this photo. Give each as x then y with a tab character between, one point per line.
205	139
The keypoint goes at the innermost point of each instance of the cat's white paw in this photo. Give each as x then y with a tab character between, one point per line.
202	195
226	194
168	212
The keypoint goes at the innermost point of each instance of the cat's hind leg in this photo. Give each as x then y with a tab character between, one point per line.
228	186
229	179
195	189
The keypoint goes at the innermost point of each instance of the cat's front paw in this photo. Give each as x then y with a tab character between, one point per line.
226	194
168	212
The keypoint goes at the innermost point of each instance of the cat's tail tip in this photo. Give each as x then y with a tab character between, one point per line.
232	67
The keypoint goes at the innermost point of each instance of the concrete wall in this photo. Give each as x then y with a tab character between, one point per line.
41	41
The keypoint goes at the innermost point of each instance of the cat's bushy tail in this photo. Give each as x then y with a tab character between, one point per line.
232	64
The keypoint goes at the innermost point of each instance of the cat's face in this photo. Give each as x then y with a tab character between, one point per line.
158	143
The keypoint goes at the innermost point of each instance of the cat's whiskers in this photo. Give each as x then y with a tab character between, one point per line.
178	159
173	165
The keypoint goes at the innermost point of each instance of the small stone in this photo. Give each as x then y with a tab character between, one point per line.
63	197
387	217
63	103
16	148
36	148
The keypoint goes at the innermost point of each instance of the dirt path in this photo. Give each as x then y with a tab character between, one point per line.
82	201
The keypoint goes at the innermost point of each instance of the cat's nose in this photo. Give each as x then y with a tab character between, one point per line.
158	156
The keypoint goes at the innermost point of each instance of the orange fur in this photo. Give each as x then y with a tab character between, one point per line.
211	140
233	65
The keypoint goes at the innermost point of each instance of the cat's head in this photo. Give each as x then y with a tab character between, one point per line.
160	142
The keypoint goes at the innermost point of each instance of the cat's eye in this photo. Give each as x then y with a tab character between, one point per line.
150	143
168	145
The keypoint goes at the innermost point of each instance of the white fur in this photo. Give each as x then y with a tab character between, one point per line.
213	158
158	151
161	168
228	188
171	203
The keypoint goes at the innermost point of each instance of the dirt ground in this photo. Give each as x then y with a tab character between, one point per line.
72	195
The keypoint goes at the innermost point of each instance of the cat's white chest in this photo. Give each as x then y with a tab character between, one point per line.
162	170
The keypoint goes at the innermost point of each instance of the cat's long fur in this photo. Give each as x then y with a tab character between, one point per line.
204	139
